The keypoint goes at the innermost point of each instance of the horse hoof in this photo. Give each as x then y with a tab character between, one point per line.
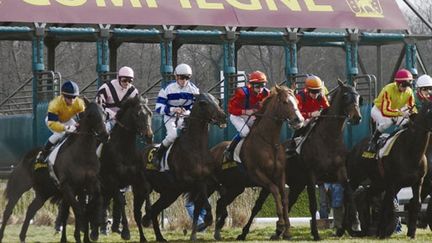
146	221
286	237
161	240
115	229
241	237
317	238
125	235
340	232
275	237
193	237
217	236
94	235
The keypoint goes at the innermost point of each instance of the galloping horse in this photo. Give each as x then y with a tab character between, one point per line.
120	165
190	163
263	158
322	155
405	165
76	168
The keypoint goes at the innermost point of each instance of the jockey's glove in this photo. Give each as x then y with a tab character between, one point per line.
70	129
406	113
315	114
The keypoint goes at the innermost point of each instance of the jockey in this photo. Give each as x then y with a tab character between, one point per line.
424	90
59	120
393	105
311	101
243	104
112	93
175	102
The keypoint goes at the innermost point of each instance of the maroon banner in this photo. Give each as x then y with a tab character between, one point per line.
362	14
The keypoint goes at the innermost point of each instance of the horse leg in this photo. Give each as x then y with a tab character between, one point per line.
121	204
221	208
312	209
8	212
387	214
257	207
165	200
138	200
68	196
414	209
34	206
64	215
199	202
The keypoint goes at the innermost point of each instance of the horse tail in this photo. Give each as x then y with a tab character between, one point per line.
21	178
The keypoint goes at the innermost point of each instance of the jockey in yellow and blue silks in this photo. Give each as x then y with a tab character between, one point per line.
393	105
175	102
59	120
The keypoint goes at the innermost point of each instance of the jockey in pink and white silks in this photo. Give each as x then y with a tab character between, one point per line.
112	93
175	102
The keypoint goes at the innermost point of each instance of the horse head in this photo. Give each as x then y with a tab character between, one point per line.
424	114
136	116
350	102
92	121
210	109
283	98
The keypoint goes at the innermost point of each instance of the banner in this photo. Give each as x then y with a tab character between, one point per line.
362	14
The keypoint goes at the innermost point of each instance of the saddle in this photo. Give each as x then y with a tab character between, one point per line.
163	163
384	145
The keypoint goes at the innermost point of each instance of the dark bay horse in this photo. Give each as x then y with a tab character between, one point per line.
76	168
263	158
120	165
404	166
190	163
322	156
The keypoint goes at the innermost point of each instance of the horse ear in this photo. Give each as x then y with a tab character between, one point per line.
86	101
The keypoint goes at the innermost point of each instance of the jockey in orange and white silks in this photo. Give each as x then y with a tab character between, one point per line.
312	100
393	105
175	102
244	103
61	111
112	93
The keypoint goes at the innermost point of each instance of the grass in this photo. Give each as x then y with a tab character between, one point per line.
258	234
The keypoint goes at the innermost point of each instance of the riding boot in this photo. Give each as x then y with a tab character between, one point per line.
373	146
41	157
157	156
229	152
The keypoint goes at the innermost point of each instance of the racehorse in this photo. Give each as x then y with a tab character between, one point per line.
405	165
76	168
322	155
263	159
190	164
120	164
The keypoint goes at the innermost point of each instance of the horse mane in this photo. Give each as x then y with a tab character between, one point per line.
126	104
267	102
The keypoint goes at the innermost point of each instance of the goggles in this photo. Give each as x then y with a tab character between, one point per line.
405	84
184	77
70	97
258	85
126	79
428	89
314	91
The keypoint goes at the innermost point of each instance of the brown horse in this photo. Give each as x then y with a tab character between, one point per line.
405	165
76	168
190	164
263	158
322	156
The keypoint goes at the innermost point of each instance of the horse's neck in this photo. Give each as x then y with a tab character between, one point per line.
417	138
267	127
196	133
333	123
86	138
123	138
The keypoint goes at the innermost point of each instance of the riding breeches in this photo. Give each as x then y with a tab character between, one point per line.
172	125
109	124
56	136
242	124
384	122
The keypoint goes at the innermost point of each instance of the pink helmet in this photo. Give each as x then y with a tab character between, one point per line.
126	72
403	75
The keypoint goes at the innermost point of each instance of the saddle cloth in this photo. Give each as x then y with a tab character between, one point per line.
385	150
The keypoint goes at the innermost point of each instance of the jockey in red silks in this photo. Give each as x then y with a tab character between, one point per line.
243	104
311	101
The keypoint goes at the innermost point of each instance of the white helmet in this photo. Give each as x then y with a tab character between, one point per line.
183	69
424	81
126	72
